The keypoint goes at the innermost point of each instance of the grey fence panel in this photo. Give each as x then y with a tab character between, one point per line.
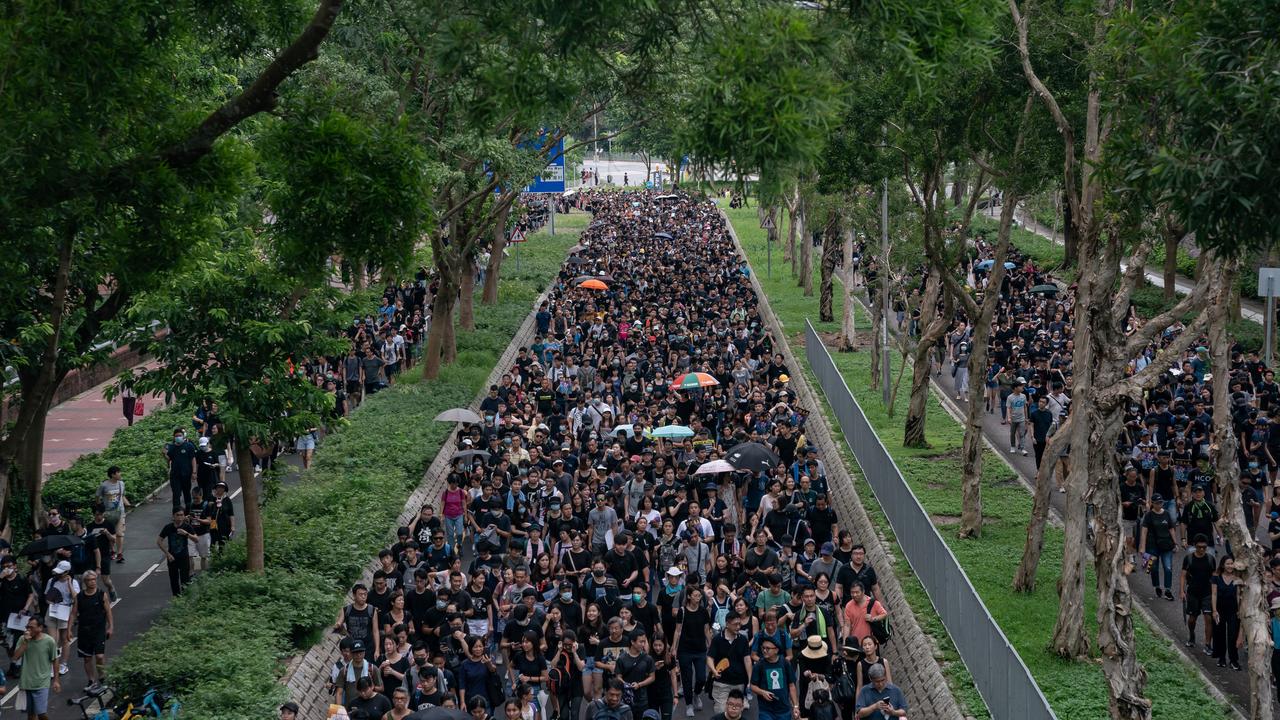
998	671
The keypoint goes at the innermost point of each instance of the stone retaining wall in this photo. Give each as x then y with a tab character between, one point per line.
911	653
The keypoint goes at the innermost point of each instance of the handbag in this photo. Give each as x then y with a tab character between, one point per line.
139	408
816	684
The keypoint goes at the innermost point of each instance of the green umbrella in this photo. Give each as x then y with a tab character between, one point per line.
672	431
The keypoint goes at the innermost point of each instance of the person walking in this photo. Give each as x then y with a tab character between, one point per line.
1158	542
38	652
1015	415
1041	420
94	625
773	680
1226	614
114	500
172	541
1197	591
181	456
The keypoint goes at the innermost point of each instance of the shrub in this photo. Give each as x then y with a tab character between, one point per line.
136	449
220	645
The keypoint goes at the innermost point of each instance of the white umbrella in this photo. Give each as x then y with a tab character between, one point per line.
458	415
620	429
713	467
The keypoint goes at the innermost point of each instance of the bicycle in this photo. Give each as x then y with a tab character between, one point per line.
155	703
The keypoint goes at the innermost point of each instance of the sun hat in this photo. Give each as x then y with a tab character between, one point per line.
815	648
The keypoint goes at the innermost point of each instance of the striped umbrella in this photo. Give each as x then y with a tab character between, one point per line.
690	381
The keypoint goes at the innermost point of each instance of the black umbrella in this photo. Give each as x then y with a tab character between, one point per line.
468	454
46	545
1044	289
752	456
440	713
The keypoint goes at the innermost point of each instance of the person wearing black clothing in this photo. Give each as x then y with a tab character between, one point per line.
1226	614
92	614
1132	497
223	512
1199	517
636	669
692	636
181	456
172	541
729	661
1041	420
1159	541
1197	591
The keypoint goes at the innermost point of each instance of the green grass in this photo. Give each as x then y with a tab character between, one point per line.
220	646
1074	690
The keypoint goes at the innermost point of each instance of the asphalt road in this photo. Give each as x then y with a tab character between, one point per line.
1233	684
142	586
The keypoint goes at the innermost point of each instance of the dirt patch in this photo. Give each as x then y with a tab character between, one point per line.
951	520
952	454
832	340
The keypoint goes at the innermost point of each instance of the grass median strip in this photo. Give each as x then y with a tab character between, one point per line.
1074	690
220	646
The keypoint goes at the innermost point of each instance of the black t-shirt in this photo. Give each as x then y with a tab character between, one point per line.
176	543
1135	494
1159	531
533	668
693	632
376	706
621	566
180	456
1199	574
634	669
102	541
736	652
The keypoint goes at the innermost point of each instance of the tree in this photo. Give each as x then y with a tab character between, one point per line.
237	324
137	176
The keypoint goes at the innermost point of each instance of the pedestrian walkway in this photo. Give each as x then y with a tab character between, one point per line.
83	424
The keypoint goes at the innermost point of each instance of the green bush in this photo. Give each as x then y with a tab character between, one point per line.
137	449
220	646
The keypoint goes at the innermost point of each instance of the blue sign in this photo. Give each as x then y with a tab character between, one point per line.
551	179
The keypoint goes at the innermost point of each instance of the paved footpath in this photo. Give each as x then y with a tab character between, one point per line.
85	424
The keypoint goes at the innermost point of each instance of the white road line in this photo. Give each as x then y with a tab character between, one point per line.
144	575
237	492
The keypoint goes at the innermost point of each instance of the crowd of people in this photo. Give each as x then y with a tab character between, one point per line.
638	526
1167	482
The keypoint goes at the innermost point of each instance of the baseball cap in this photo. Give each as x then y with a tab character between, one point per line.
827	549
291	706
62	568
357	646
204	442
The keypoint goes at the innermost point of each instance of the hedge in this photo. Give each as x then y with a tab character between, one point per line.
136	449
221	645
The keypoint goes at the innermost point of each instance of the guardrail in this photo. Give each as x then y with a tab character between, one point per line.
998	671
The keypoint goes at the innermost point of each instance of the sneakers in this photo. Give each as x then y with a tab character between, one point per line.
63	669
1168	595
1191	642
1024	452
1235	666
1013	449
688	711
113	595
120	558
1208	649
697	703
1222	663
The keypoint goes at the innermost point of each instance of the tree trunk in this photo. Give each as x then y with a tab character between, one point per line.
1250	558
959	183
830	248
933	326
31	459
255	558
789	247
805	239
490	295
848	331
877	346
467	296
1070	236
1024	580
1170	263
441	321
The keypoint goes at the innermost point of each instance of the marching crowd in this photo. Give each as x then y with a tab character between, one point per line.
638	525
1167	483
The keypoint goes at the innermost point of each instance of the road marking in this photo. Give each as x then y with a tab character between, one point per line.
144	575
237	492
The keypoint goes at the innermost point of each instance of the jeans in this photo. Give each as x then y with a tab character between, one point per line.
693	674
1017	434
453	531
962	380
1164	559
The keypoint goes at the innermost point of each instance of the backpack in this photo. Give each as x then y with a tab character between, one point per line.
881	629
559	678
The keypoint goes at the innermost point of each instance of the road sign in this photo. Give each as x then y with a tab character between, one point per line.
551	179
768	223
1268	282
517	237
1269	288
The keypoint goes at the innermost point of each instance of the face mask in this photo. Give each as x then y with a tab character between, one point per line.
1253	465
638	597
566	596
422	662
440	604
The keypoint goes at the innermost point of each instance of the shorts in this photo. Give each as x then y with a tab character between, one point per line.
54	623
92	643
200	546
306	442
354	387
1130	529
1198	605
116	517
37	701
392	369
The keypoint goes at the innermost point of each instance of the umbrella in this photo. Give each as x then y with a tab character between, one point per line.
1045	289
440	713
667	197
713	467
1010	266
459	415
664	236
576	249
602	278
985	265
468	454
752	456
692	380
672	431
629	430
46	545
593	284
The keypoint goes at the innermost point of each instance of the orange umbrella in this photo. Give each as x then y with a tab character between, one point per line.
593	284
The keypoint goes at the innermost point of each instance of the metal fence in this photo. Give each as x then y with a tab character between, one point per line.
998	671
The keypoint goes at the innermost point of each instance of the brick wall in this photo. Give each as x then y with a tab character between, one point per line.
911	653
